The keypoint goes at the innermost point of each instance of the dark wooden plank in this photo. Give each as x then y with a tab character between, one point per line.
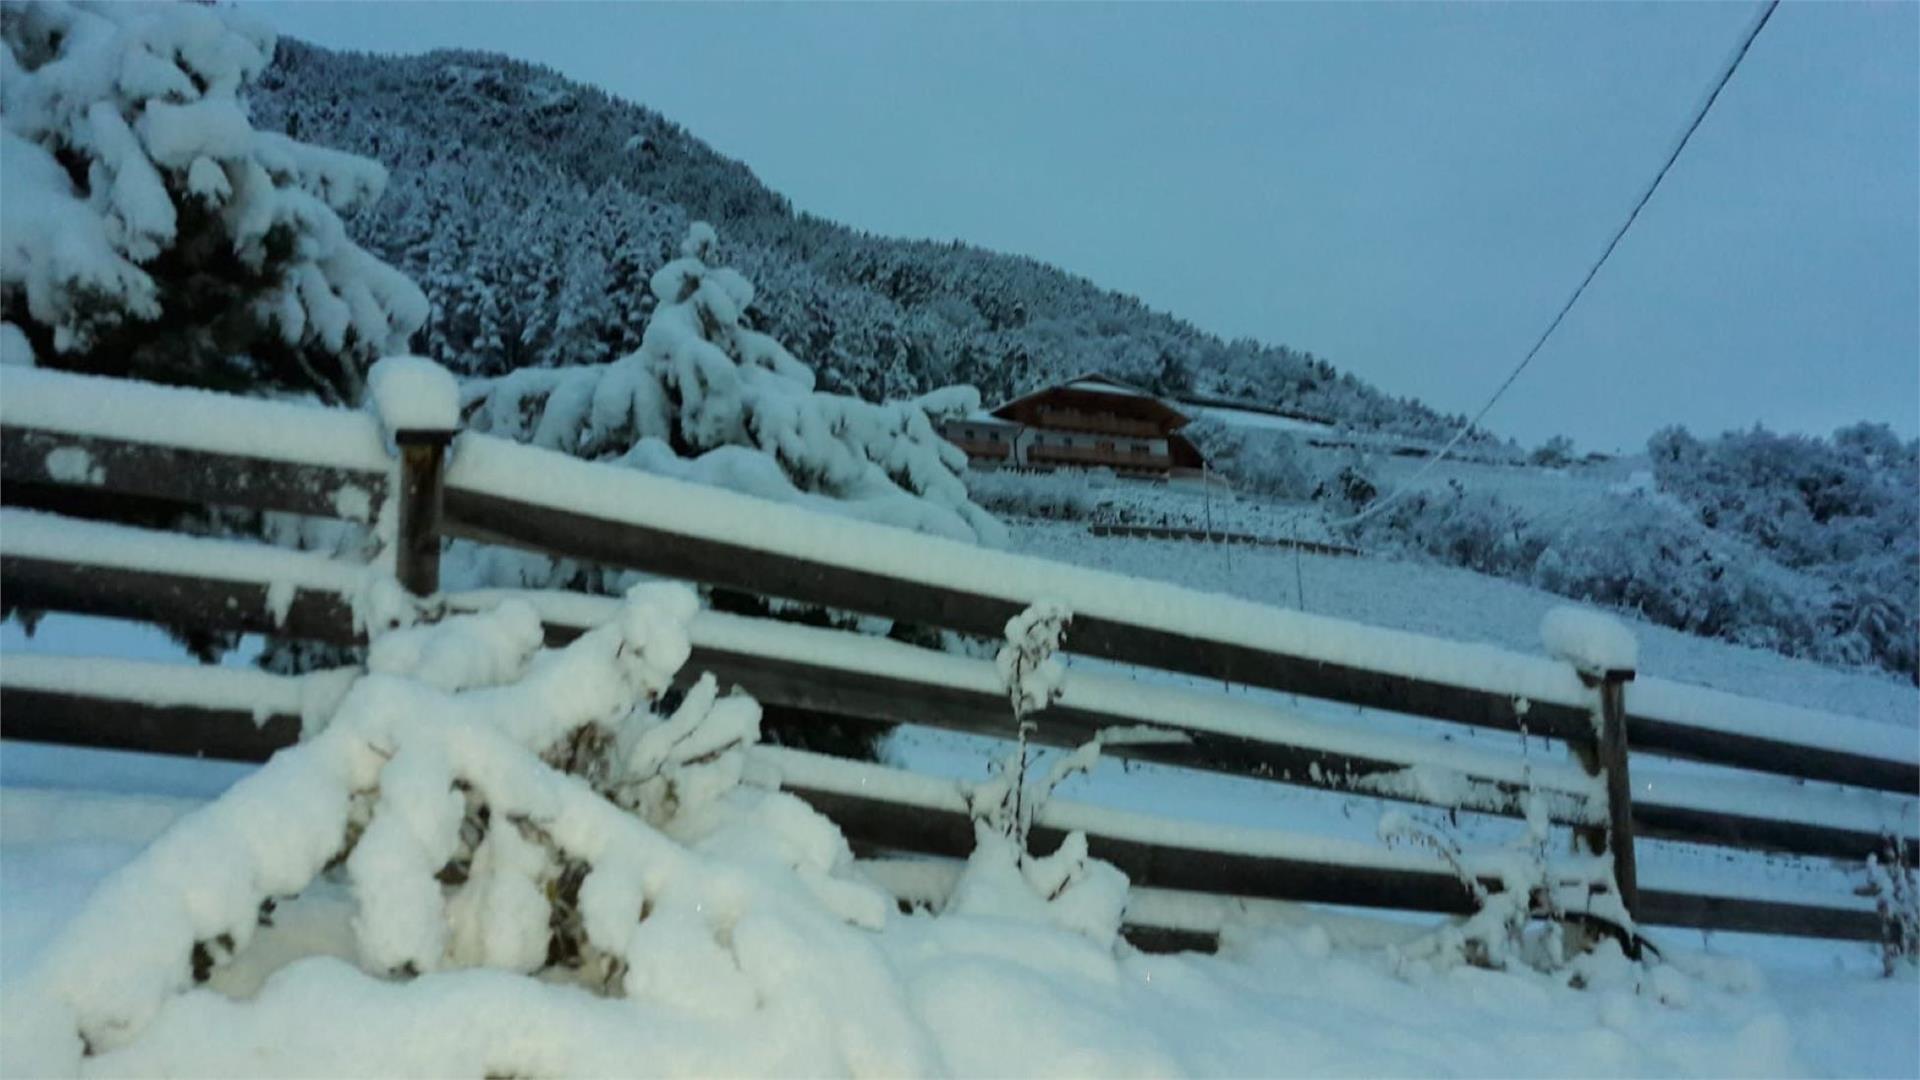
880	825
196	477
865	696
1167	939
1655	821
481	516
928	831
1771	755
872	824
193	476
34	715
1740	915
170	599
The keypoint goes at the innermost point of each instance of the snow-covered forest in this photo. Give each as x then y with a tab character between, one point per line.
532	210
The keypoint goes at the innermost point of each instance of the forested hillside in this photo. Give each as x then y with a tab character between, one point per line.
532	209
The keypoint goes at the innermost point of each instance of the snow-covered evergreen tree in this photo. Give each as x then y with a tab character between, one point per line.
709	398
151	231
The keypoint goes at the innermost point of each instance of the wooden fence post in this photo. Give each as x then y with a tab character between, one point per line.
1613	758
1607	755
423	452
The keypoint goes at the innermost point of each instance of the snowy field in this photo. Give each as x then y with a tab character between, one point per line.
1462	605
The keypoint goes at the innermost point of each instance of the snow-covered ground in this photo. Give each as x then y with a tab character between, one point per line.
977	995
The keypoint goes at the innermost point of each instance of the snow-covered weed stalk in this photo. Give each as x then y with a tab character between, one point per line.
486	803
1531	885
1068	888
1033	678
1890	882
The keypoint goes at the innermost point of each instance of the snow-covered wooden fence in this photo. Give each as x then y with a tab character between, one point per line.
95	449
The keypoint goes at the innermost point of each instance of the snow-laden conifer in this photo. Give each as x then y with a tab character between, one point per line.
150	231
709	398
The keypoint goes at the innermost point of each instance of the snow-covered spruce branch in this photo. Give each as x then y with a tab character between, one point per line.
1033	678
198	250
433	787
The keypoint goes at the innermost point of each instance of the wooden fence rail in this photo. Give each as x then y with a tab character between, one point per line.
75	444
52	700
124	572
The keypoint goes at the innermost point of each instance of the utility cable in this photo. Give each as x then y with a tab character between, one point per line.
1733	64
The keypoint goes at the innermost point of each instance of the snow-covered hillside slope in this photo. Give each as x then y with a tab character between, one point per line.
1455	603
531	210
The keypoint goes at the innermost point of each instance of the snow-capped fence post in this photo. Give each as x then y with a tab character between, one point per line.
1604	653
419	404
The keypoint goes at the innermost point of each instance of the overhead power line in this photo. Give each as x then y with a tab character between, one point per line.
1706	104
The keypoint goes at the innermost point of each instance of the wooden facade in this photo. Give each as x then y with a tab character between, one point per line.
1091	422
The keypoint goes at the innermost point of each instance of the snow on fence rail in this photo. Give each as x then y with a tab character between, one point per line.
64	435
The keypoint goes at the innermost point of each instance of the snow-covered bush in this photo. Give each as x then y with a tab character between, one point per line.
486	803
1063	495
1255	460
1033	679
1842	510
1461	528
150	231
1649	557
1555	453
708	398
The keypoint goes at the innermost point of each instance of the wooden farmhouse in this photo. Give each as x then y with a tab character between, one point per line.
1091	422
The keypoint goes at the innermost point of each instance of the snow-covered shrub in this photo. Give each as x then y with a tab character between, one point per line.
150	231
1642	557
488	803
1003	877
1461	528
1259	461
1555	453
1842	510
708	398
1063	495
